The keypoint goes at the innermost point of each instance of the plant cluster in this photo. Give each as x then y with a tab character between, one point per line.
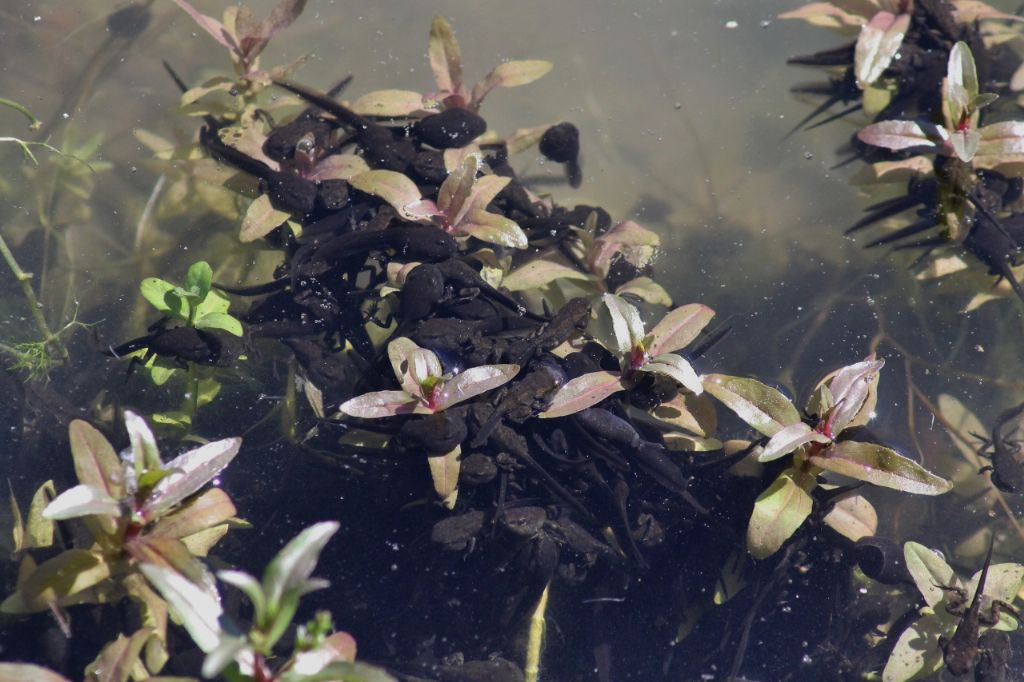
437	311
933	76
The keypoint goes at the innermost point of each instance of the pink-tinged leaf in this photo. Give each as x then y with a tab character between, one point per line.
894	171
541	272
280	18
637	245
969	11
481	194
381	404
850	388
453	196
853	517
215	84
394	188
647	290
20	672
760	406
190	471
444	471
422	211
492	228
679	327
211	26
677	368
789	439
96	463
627	326
880	39
389	103
339	167
895	135
961	85
445	56
399	352
830	15
509	75
261	218
1017	80
695	414
1002	139
117	659
778	512
474	381
879	465
583	392
209	509
338	647
82	500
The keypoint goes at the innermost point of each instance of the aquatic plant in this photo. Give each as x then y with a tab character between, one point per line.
318	652
918	652
840	401
638	352
452	91
138	510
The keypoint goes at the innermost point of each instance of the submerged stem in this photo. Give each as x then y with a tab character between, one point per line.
49	338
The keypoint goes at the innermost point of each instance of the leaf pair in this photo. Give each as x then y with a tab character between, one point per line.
461	206
425	387
638	351
195	303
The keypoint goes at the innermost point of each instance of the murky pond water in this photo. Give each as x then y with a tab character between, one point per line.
684	111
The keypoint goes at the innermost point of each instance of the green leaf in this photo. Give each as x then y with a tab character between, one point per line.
56	580
444	471
252	589
627	327
965	143
929	570
156	290
212	508
290	570
583	392
760	406
879	465
916	654
117	659
961	81
647	290
340	671
199	279
222	321
145	454
778	512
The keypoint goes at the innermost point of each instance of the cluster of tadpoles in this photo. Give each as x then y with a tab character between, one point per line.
954	202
